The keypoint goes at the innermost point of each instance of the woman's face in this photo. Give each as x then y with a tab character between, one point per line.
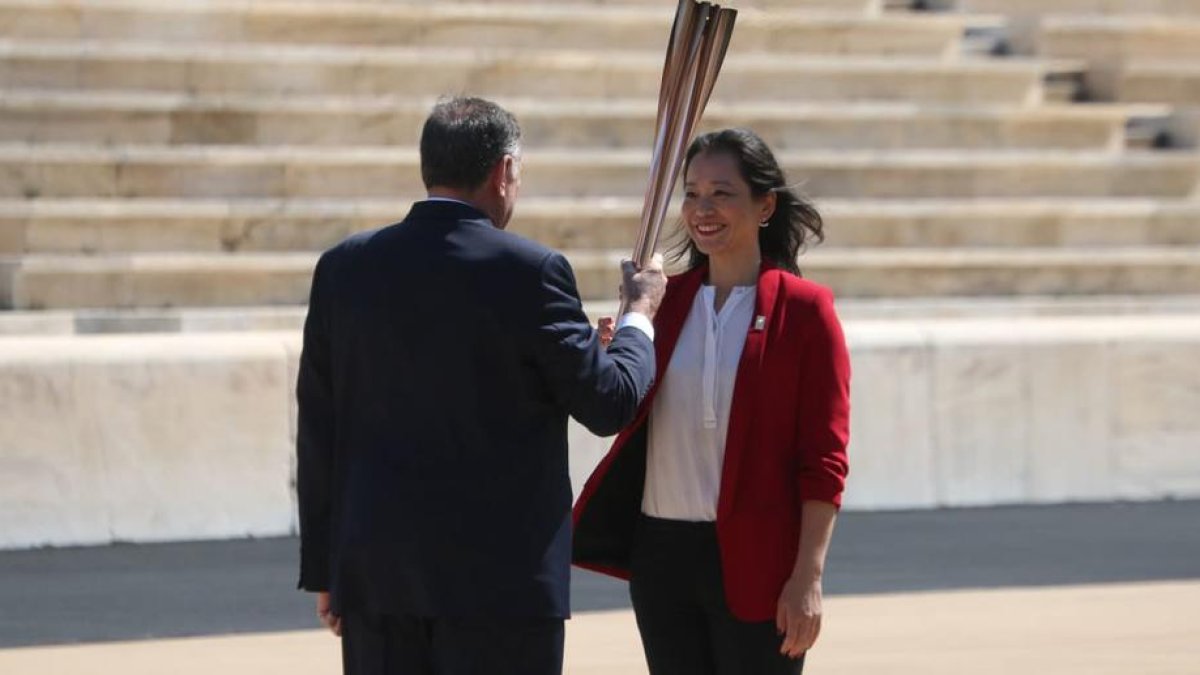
720	212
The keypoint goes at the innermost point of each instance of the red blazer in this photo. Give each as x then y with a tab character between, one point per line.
788	429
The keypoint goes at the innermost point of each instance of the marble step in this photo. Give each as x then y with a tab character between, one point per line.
1023	30
1183	128
941	273
340	70
1104	38
155	280
167	320
175	280
113	117
291	172
1173	82
1108	42
1048	7
263	226
538	26
858	6
930	224
291	317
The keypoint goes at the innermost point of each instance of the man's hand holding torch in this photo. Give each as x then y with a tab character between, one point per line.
641	291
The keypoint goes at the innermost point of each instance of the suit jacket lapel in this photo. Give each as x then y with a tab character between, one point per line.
748	384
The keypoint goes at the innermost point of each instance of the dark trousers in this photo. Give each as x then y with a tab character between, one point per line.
408	645
679	600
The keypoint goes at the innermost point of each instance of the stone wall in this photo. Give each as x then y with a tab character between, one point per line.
151	438
139	438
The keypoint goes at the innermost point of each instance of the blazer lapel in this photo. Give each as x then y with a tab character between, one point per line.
671	316
749	381
668	325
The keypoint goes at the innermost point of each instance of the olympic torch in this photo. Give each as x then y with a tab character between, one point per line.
697	47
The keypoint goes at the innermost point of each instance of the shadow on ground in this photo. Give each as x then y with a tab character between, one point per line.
172	590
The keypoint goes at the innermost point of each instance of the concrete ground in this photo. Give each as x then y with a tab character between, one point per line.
1084	589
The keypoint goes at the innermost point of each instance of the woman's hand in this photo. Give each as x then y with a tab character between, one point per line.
325	613
798	616
605	327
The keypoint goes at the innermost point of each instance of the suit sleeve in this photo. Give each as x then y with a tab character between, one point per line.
600	388
315	442
824	415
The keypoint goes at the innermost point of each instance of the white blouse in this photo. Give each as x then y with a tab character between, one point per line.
690	415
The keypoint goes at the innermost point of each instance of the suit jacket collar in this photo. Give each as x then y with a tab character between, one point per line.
440	209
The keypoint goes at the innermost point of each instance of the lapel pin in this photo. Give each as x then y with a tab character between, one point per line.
760	322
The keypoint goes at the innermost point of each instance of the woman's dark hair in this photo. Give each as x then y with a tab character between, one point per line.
795	221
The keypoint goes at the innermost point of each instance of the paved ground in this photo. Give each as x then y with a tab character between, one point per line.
1143	628
121	593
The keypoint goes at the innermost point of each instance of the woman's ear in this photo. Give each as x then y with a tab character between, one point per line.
770	201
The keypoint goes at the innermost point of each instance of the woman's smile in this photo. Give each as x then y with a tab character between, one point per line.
709	229
720	210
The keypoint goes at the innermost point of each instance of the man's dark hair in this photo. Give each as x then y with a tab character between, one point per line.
463	139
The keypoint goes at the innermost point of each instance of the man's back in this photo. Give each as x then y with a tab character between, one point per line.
453	354
441	360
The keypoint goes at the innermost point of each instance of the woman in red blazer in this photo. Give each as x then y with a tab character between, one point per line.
718	502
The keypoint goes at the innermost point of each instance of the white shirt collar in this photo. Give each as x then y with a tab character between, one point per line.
452	200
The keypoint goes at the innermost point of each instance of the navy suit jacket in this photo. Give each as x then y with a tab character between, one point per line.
442	357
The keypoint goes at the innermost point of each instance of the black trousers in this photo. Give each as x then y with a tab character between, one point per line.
408	645
679	600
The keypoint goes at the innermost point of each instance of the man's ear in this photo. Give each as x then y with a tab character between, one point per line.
499	177
510	173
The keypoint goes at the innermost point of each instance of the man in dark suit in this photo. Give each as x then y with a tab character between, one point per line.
442	357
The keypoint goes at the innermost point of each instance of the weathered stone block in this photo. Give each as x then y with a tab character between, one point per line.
892	444
143	439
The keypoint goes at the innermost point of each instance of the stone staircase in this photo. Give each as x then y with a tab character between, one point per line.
1010	188
165	162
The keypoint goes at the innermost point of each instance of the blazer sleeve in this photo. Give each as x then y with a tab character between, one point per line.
824	415
315	441
601	388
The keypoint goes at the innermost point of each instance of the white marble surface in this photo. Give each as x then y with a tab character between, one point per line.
52	485
892	460
1156	418
294	346
980	423
1070	399
139	438
178	436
